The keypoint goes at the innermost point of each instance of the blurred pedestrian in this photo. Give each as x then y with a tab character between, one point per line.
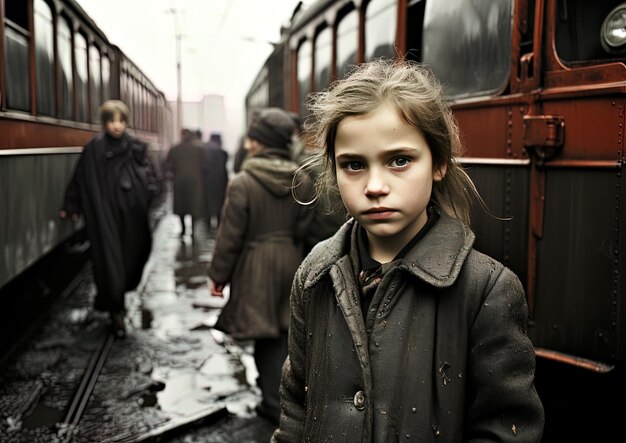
113	187
399	328
187	164
259	247
330	212
217	178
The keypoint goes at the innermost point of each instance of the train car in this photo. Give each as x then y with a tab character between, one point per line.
538	88
56	68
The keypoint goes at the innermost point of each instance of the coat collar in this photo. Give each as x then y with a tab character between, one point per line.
436	259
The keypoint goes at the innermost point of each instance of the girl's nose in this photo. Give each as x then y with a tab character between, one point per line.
376	185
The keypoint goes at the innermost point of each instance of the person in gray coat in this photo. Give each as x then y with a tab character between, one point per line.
400	330
259	246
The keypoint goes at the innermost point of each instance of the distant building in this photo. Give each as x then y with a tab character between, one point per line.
207	114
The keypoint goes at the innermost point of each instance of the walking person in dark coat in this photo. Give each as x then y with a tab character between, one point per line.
187	163
258	248
399	329
217	178
113	186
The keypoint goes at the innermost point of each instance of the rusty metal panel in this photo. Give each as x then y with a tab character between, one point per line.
505	191
576	314
483	131
492	129
593	126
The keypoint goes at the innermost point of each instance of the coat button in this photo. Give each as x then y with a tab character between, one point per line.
359	400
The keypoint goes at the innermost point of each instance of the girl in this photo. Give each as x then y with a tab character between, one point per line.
399	329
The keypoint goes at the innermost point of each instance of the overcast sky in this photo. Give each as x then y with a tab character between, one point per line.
224	42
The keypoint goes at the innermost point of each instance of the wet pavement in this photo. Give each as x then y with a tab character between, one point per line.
173	378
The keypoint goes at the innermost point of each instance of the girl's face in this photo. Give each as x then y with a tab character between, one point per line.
116	126
385	176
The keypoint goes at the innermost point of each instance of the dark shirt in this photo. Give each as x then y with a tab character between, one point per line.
370	272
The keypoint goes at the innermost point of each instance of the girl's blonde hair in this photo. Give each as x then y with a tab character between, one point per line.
418	96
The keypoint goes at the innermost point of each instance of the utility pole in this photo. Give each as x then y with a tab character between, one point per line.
178	35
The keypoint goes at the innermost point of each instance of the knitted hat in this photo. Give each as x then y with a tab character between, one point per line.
271	127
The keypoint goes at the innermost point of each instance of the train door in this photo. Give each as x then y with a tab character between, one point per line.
574	135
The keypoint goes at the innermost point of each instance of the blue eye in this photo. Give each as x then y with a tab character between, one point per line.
400	162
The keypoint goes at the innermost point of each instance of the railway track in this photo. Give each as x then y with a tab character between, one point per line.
88	382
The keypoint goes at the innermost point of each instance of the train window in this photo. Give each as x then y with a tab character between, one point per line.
80	57
136	104
94	82
16	41
129	98
380	29
44	58
64	49
579	32
124	93
347	43
323	57
467	43
150	112
304	76
142	97
106	78
414	22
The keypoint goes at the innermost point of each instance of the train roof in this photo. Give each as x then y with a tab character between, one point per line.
73	4
310	12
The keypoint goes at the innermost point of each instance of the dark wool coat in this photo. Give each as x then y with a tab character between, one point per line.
259	246
188	164
216	178
113	186
443	355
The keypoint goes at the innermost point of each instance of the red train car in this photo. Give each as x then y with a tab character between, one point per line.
538	88
56	68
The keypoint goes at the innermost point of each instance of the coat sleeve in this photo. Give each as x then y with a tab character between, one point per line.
503	403
293	384
231	235
150	175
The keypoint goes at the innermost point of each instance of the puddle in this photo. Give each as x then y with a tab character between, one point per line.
188	392
219	364
166	327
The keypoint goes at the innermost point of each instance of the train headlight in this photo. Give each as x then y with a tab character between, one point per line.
613	35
